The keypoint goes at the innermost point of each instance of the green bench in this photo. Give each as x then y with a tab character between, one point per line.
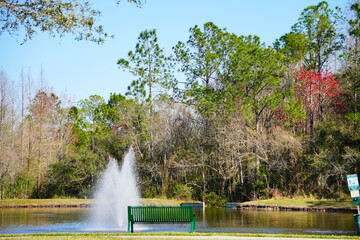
180	214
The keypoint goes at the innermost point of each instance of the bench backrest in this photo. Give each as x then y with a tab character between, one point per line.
161	214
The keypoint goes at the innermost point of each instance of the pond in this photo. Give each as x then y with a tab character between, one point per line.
40	220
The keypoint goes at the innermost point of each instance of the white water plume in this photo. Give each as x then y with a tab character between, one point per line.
116	190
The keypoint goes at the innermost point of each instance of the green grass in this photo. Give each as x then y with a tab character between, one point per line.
5	202
61	201
94	236
302	203
162	200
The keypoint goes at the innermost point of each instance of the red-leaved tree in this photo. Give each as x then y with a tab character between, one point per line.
319	93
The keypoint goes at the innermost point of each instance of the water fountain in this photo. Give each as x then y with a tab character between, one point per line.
116	190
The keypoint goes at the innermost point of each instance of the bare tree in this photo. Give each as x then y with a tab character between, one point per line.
8	151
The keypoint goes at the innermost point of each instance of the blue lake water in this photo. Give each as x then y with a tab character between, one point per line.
76	220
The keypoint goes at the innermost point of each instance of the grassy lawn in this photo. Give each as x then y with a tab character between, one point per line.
157	236
5	202
162	200
60	201
302	203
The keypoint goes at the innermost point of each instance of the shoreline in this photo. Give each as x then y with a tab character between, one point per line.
82	205
296	209
157	203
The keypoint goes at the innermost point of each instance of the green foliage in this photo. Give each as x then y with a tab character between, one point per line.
351	72
261	81
213	200
354	118
354	23
179	191
150	192
224	69
204	56
151	68
319	36
335	154
75	175
22	187
204	60
293	46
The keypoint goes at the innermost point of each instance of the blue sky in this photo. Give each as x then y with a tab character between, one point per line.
81	68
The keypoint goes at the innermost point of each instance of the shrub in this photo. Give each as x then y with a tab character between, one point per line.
179	191
149	192
213	200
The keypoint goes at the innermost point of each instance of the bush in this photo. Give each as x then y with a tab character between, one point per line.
149	192
21	187
179	191
213	200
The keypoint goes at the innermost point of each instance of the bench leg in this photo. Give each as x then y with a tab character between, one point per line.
130	226
192	226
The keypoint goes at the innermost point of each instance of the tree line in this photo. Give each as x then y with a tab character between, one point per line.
222	115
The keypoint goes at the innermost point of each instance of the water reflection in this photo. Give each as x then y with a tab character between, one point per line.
276	221
19	220
32	220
